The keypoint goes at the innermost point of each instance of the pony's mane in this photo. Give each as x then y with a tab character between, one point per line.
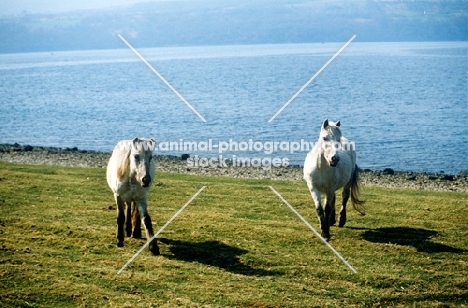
123	164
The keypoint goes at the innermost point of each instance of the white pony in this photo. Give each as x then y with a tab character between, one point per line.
130	173
330	165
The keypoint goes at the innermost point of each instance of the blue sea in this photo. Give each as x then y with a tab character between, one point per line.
405	105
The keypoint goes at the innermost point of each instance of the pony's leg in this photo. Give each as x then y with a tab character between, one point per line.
329	208
324	225
136	221
345	195
120	220
332	211
128	219
146	220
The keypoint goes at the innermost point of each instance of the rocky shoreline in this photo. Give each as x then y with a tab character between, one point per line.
36	155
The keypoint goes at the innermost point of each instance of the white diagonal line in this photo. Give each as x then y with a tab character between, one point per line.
313	230
311	79
160	230
162	78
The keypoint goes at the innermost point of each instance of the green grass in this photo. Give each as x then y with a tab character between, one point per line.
235	245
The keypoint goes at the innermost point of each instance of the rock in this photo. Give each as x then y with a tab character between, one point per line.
447	177
389	171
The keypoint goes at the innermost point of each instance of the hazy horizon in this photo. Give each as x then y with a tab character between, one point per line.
72	25
12	7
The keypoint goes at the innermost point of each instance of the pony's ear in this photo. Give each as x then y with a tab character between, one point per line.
325	124
338	124
151	142
135	142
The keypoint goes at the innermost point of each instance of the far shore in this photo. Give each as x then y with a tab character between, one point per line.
37	155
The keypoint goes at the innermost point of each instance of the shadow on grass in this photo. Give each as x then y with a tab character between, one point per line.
214	253
450	297
416	237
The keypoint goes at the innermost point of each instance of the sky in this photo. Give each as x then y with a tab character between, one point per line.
8	7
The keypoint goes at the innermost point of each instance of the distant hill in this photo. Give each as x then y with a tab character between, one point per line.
210	22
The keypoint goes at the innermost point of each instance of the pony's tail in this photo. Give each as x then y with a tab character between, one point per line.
358	204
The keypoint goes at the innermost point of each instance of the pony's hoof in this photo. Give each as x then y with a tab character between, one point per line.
136	234
120	244
155	251
153	247
326	236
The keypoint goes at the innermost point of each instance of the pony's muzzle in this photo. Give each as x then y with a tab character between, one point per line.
334	160
146	180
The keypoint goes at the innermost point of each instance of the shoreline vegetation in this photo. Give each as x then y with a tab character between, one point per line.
73	157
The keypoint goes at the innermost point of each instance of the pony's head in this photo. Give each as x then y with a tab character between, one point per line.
330	142
140	157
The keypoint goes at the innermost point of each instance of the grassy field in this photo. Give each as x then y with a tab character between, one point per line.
235	245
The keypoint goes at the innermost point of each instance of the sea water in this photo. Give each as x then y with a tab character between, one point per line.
404	105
